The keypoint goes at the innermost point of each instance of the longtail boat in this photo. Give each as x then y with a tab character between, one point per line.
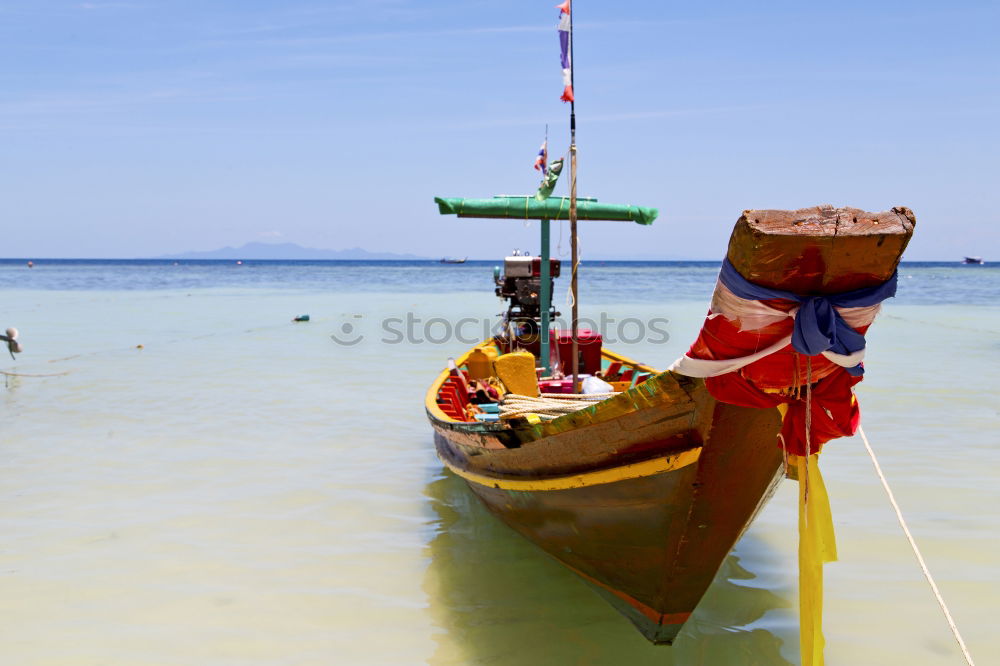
644	493
641	480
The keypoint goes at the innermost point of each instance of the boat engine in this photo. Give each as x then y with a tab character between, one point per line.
521	285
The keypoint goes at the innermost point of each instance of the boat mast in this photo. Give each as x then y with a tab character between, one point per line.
574	255
545	293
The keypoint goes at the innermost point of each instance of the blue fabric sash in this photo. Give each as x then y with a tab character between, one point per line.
818	325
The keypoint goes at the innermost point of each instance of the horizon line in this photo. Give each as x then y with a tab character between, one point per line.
400	259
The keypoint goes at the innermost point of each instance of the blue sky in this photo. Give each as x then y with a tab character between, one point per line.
140	128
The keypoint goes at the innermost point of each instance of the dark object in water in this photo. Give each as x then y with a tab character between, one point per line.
303	317
13	346
973	260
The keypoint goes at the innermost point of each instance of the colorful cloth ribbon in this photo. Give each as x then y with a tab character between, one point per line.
818	326
827	409
817	546
834	409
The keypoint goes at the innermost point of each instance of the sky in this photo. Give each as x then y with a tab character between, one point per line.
142	128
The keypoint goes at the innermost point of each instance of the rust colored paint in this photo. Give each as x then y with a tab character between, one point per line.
819	250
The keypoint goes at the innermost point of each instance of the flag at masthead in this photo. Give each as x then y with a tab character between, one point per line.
566	53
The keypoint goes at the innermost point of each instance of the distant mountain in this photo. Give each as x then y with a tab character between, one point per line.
286	251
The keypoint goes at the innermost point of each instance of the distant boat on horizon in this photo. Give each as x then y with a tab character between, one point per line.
449	260
972	260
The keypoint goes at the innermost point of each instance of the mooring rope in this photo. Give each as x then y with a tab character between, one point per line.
916	550
549	405
24	374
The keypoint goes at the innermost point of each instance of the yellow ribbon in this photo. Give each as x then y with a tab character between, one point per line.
817	546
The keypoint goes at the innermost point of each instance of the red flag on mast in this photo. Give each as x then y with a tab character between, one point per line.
564	46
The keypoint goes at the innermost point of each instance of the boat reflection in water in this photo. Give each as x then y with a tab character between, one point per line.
499	601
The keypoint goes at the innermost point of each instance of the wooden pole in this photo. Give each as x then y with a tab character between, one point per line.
574	257
572	210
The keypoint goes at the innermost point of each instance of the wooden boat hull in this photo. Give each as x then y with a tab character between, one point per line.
646	517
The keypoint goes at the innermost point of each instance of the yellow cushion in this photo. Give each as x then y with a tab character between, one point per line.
517	372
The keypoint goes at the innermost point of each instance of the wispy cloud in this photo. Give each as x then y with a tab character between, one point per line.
366	37
90	6
613	117
76	103
353	37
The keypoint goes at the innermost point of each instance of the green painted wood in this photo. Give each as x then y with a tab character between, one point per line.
553	208
546	299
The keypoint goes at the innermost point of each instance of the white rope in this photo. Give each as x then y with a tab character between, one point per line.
596	397
549	405
575	268
22	374
916	551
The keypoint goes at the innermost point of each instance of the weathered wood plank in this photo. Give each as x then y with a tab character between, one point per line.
821	249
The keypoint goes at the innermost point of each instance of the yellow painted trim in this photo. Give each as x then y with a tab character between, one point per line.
585	479
625	360
430	400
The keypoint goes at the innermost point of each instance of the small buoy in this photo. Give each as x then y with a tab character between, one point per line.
138	346
31	264
304	317
239	263
12	344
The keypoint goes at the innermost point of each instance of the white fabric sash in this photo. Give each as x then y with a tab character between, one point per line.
754	315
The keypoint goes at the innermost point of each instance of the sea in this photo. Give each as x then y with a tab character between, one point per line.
188	477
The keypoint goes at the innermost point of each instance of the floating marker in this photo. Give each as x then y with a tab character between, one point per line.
13	346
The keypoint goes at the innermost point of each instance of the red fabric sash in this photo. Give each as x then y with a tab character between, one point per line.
835	411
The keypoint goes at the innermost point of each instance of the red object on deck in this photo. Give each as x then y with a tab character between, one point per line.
611	374
589	348
453	397
536	267
556	386
590	344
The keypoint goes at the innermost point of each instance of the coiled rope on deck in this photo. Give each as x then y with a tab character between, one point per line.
549	406
916	550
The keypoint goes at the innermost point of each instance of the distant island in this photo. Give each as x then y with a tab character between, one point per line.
286	251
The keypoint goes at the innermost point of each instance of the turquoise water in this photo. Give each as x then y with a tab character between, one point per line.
242	489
